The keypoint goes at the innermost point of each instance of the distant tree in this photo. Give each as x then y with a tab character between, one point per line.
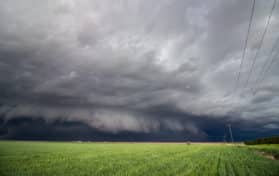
188	142
266	140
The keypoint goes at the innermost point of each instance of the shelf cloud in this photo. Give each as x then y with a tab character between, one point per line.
157	68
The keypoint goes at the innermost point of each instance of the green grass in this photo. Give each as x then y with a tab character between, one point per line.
268	148
143	159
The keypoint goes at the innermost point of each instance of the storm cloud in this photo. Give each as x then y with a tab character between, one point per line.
145	68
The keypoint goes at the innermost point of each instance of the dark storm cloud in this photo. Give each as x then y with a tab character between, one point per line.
139	67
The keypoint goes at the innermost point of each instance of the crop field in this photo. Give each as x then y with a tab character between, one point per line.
77	159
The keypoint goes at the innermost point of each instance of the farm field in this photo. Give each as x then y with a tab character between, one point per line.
143	159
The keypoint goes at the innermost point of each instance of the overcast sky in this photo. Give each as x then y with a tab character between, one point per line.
145	68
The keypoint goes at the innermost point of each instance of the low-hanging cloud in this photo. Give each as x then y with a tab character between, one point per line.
136	66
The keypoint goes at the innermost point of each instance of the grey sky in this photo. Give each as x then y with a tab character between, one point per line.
132	65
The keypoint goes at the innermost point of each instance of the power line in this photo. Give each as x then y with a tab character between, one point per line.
271	63
266	67
245	45
261	42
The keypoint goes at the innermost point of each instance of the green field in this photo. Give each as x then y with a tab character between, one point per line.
77	159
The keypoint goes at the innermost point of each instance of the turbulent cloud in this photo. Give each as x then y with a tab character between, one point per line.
137	66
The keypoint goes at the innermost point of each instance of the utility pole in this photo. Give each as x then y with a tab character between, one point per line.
230	130
224	138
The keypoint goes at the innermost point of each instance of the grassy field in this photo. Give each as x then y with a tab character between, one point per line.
77	159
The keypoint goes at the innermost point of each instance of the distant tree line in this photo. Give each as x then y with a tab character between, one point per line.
266	140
